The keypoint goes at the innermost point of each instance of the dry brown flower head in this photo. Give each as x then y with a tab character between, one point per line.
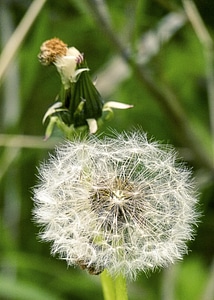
50	50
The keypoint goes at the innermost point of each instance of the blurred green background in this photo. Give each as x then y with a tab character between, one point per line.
142	52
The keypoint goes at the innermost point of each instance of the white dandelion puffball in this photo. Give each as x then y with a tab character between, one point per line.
120	203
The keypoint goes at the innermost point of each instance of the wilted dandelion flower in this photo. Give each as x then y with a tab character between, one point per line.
55	51
79	104
122	203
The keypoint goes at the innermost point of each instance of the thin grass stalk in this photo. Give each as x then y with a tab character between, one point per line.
208	47
162	94
12	46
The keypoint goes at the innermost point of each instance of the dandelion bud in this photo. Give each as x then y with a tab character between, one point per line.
81	105
123	204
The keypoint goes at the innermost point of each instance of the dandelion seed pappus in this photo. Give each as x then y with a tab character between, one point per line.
123	204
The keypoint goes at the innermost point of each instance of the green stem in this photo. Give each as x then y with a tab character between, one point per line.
108	286
113	289
121	288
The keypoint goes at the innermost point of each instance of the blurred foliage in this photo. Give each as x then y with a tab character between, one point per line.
27	271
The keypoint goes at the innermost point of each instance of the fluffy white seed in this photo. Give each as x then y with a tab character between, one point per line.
120	203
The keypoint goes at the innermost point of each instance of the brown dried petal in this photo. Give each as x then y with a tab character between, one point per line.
50	50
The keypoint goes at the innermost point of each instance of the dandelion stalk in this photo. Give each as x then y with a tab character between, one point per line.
113	288
108	286
121	288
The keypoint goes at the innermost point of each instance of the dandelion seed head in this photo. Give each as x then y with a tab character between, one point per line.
122	203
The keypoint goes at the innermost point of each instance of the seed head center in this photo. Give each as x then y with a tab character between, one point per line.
118	197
